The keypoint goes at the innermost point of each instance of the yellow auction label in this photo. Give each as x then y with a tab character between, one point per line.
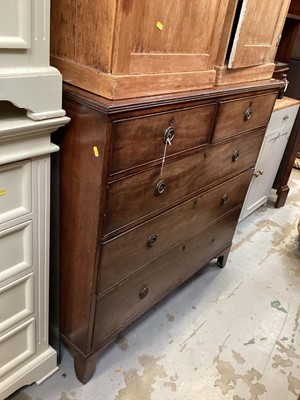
96	152
2	192
159	25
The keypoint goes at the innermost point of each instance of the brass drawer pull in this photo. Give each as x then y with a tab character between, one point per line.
258	173
235	155
169	134
248	114
160	188
152	240
143	292
224	199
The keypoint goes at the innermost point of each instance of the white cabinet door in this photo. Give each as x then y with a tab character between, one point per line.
271	152
15	24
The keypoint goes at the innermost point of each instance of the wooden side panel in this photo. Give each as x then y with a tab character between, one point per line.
258	32
82	31
81	185
155	36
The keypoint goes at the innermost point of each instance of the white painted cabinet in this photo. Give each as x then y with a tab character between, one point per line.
26	78
25	147
274	144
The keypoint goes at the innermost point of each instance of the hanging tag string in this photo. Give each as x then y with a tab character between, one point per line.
168	141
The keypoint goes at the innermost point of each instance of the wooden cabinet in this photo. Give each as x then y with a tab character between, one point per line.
140	216
128	48
26	78
25	147
274	144
137	48
251	35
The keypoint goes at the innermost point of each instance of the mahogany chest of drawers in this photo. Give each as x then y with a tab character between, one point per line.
151	191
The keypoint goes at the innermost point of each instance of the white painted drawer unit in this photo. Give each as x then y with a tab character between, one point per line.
271	152
26	77
25	147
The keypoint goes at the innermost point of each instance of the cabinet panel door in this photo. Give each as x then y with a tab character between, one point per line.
258	31
15	24
157	36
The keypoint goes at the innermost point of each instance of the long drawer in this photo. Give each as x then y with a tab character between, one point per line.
124	254
142	139
141	194
124	303
240	115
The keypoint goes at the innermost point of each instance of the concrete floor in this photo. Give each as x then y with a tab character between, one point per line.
230	334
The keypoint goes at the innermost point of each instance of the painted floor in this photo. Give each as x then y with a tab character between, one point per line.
230	334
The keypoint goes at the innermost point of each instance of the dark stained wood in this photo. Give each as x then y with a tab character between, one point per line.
222	259
84	367
121	305
135	197
120	258
192	128
137	105
232	120
91	319
82	177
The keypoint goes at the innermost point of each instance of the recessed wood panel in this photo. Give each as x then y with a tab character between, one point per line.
16	301
17	346
155	36
15	24
15	190
16	250
258	31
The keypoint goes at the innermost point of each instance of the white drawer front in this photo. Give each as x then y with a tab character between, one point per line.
285	116
15	190
15	250
16	302
17	346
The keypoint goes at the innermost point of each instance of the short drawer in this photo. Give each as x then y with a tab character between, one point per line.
124	303
282	118
140	140
15	250
241	115
126	253
16	302
17	346
15	190
141	194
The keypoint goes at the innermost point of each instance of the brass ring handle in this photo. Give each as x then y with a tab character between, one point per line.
224	199
248	114
151	240
143	292
160	188
169	134
235	155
